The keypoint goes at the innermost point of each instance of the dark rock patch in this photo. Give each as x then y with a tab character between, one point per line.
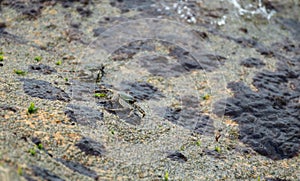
141	90
45	174
79	168
83	115
177	156
189	116
269	118
41	68
252	62
44	90
91	147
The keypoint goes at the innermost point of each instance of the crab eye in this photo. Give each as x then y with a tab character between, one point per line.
131	101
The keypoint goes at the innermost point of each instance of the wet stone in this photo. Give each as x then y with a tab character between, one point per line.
41	68
44	90
79	168
45	174
252	62
268	119
83	115
91	147
189	116
177	156
141	90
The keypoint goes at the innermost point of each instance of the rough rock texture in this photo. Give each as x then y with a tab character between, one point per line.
269	118
44	90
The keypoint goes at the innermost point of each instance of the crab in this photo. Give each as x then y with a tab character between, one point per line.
121	104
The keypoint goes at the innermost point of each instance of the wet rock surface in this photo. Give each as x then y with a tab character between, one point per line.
44	90
269	118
